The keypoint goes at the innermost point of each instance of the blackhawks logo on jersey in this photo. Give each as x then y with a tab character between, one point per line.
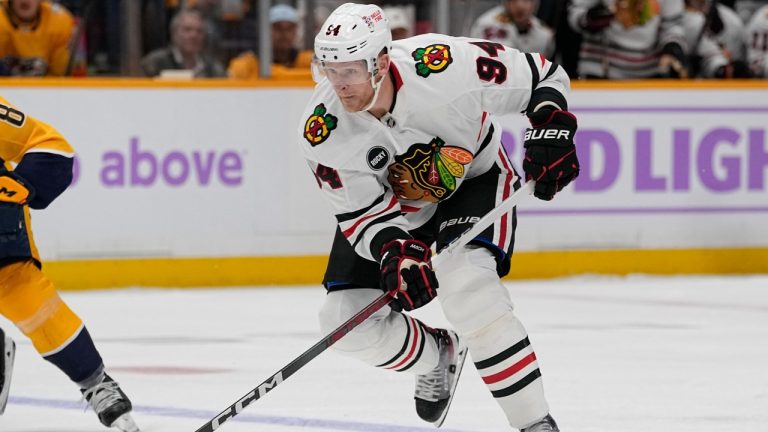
319	125
428	172
434	58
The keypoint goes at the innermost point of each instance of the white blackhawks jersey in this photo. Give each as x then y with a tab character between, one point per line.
495	26
385	173
712	55
734	36
757	42
629	48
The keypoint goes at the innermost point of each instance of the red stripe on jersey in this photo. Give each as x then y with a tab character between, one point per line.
505	195
396	76
482	123
543	59
409	209
349	231
627	57
416	332
508	372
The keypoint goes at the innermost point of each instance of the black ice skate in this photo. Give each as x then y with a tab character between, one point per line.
547	424
111	405
8	351
435	389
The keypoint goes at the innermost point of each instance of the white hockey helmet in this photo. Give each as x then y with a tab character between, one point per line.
352	32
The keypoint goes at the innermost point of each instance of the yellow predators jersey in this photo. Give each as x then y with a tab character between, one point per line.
43	161
21	134
246	66
36	49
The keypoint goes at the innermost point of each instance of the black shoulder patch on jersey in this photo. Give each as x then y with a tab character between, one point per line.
378	158
319	125
431	59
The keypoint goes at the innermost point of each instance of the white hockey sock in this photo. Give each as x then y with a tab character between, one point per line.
388	339
507	364
479	307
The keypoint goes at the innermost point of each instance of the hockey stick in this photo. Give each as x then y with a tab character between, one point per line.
383	300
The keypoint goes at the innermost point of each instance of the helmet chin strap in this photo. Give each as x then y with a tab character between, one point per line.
376	87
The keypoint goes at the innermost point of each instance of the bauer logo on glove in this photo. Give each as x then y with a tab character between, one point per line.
537	134
550	154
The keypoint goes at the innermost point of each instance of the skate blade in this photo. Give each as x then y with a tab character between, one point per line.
7	356
125	423
459	367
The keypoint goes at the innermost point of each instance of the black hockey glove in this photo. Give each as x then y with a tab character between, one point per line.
406	267
13	188
550	155
597	18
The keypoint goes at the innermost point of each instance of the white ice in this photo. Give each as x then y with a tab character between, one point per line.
636	354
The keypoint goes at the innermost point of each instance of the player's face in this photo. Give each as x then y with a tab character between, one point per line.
26	10
354	97
520	10
190	36
283	35
351	81
345	73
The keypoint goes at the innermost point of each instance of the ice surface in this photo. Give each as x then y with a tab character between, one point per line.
637	354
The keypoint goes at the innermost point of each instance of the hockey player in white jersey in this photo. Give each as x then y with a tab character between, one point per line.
708	59
732	35
757	46
716	39
630	39
404	145
514	24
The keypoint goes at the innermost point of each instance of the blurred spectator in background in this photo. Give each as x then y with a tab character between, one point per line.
757	42
34	38
731	35
716	39
630	38
513	24
284	20
554	14
707	59
230	25
400	21
186	50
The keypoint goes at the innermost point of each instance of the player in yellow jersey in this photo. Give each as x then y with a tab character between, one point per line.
284	21
43	160
34	38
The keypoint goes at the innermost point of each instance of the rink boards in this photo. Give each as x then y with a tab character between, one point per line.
202	183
